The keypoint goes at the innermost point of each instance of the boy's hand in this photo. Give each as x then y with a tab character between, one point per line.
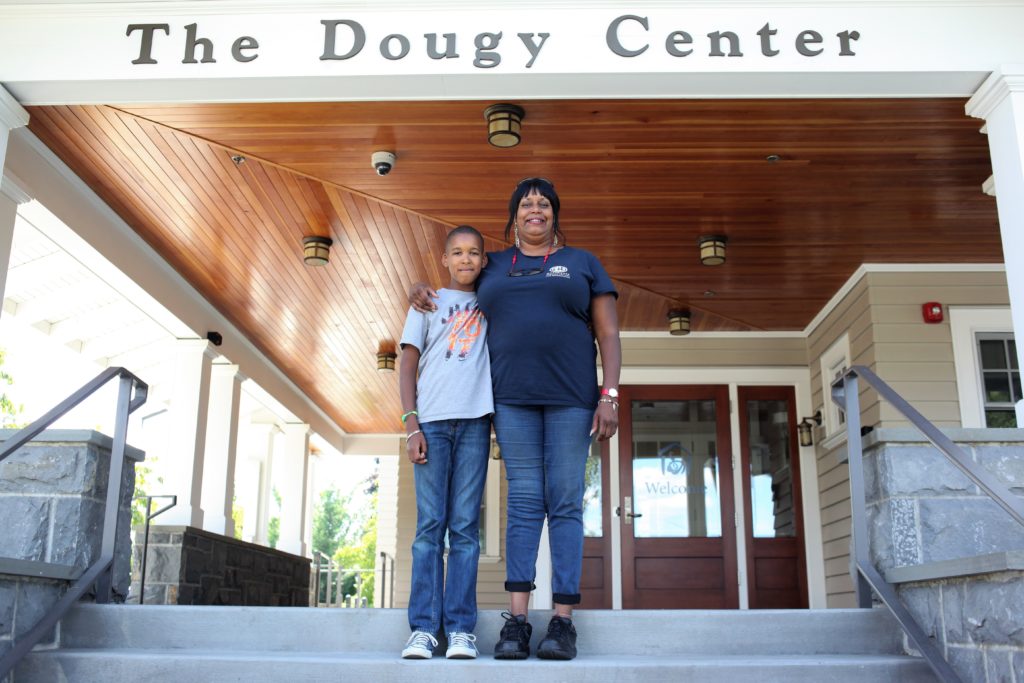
416	449
420	295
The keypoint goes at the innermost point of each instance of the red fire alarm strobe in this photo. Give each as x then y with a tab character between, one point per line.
932	312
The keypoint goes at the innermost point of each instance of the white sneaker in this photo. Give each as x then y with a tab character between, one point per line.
461	646
419	646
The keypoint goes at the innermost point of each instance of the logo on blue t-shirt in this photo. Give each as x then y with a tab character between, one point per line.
558	271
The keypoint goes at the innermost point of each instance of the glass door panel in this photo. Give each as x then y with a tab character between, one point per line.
675	470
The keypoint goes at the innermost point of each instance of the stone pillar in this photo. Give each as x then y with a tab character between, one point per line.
186	444
12	116
221	447
1000	102
292	478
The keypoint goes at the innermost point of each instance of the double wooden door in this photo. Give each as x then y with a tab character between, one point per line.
676	510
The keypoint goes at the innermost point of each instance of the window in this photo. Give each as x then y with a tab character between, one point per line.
1000	378
968	325
834	363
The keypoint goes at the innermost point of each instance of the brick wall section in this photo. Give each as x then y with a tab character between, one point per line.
922	509
189	566
52	498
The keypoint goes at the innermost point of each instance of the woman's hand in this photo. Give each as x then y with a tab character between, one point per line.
416	449
420	297
606	420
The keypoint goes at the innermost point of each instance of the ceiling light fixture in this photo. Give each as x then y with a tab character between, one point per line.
712	249
504	124
679	322
316	250
386	360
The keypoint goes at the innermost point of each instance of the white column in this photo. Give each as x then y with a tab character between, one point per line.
221	447
183	473
1000	102
292	487
12	116
256	448
311	499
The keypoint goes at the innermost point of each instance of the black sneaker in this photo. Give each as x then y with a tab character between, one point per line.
560	642
514	642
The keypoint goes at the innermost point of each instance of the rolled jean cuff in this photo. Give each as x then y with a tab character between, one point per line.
519	586
565	598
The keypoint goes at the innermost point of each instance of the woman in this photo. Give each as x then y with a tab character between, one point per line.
545	303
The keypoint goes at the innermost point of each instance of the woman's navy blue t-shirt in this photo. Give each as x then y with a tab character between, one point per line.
539	332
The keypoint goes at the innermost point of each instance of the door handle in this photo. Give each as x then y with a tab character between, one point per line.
627	506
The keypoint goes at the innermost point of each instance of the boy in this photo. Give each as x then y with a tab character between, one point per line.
447	417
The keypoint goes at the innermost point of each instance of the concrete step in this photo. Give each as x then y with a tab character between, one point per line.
203	666
124	643
633	632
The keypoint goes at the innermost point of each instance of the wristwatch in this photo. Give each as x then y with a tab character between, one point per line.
611	393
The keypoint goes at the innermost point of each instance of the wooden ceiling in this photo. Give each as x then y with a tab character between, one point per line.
855	181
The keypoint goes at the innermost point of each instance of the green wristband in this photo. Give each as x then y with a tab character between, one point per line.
406	415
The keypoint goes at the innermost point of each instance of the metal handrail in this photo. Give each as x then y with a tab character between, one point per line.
131	395
145	537
846	394
386	589
335	570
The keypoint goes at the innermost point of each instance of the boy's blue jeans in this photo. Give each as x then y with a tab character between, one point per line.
448	492
545	452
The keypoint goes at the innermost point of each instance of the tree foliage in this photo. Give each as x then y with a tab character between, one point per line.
333	522
9	410
346	531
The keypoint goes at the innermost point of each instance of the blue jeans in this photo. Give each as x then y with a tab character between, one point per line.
448	492
545	453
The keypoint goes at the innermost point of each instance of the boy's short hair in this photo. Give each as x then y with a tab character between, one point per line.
464	230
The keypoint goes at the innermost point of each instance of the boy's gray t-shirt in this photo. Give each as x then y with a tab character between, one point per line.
455	367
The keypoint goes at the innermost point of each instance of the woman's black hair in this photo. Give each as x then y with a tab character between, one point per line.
546	189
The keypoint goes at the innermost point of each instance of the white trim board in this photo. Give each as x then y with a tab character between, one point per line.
964	323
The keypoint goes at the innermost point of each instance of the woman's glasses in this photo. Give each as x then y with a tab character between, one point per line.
524	273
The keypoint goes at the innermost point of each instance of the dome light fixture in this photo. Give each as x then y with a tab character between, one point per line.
712	249
504	124
316	250
679	322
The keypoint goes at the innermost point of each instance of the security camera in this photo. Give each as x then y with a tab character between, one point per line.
383	162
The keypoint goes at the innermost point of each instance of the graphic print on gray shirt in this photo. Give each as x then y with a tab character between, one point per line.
455	368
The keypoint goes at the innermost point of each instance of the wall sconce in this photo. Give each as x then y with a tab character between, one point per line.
504	123
712	249
386	361
679	323
805	430
316	251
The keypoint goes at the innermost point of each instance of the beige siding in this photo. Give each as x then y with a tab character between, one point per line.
914	357
882	315
713	352
852	317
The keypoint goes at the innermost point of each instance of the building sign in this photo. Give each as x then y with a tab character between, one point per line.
139	51
627	35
